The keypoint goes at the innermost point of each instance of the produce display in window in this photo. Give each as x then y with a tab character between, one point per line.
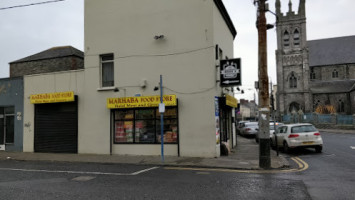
124	131
170	131
145	131
143	126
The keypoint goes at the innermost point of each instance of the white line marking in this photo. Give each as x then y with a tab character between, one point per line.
352	147
79	172
144	170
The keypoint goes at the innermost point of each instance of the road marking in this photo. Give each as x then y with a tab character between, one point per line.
302	166
79	172
352	147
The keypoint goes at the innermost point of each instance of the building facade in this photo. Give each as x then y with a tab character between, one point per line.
312	76
12	90
128	45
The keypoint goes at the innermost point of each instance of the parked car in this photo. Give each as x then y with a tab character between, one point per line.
271	130
240	125
249	129
293	136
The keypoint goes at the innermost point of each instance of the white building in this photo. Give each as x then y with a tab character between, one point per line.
128	45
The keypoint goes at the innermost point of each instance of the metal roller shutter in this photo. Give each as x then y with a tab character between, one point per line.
56	128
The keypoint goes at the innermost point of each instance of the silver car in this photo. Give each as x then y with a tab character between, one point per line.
249	129
271	130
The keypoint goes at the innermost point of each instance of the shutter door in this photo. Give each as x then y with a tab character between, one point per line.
56	128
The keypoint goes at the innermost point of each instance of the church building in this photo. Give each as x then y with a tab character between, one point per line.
312	76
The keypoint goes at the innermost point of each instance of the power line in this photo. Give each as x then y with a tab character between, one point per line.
32	4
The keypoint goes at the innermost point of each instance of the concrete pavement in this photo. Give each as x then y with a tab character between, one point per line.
244	156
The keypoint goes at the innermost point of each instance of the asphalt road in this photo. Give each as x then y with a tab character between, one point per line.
330	176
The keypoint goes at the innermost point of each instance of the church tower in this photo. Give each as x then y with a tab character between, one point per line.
292	60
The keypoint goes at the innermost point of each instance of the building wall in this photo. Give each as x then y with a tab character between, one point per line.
185	58
48	83
11	94
46	66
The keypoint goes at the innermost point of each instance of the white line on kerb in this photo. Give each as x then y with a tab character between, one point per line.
352	147
79	172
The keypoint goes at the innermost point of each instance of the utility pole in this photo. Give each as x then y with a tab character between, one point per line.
264	101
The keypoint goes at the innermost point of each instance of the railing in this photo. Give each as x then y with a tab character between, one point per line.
332	120
345	119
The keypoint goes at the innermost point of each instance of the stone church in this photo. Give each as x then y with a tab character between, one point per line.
316	75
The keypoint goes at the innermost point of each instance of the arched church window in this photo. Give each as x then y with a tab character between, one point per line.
286	38
335	74
296	38
341	106
293	81
312	75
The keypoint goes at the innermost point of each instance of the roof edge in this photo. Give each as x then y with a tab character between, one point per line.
222	9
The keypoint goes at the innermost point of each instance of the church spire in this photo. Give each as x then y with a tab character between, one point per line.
290	6
302	8
278	7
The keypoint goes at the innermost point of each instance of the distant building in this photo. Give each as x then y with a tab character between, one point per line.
12	90
312	75
55	59
248	110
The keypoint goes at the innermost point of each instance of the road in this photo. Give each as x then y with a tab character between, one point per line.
330	175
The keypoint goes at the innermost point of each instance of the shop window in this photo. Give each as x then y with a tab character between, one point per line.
142	126
107	69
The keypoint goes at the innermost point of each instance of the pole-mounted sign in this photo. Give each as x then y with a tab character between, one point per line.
230	72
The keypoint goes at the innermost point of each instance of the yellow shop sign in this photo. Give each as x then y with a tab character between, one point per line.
231	101
52	97
140	102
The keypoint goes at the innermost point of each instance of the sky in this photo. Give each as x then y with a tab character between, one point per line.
25	31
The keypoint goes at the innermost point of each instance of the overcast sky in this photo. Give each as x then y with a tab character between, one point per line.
28	30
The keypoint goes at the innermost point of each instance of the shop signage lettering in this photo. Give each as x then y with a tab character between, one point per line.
231	101
140	102
52	97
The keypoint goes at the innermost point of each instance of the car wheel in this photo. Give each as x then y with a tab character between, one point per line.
286	148
319	149
256	140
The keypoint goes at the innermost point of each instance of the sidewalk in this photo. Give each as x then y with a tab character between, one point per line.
244	156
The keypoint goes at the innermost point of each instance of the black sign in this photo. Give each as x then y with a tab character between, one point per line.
230	72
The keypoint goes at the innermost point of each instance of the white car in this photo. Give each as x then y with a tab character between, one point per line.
291	136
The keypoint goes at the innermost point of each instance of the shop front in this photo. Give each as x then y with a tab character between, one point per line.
55	122
136	124
227	105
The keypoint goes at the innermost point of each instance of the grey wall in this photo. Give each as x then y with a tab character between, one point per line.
45	66
11	94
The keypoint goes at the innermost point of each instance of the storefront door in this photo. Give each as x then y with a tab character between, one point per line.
6	127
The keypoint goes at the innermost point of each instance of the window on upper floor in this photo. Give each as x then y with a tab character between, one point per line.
107	69
296	38
312	75
293	81
335	74
286	39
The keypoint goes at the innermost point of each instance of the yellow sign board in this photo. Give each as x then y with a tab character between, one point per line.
231	101
141	102
52	97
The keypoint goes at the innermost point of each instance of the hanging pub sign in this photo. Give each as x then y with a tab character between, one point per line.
230	72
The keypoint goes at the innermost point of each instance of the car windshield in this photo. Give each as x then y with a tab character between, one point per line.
303	129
